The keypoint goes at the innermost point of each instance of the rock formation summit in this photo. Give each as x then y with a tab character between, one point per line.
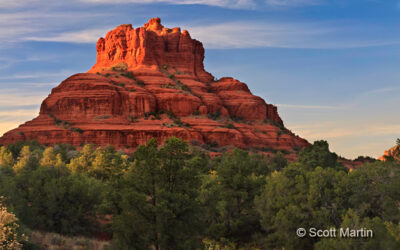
150	82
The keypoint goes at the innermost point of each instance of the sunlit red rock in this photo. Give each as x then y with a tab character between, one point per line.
150	82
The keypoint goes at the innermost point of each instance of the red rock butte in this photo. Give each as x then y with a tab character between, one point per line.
150	82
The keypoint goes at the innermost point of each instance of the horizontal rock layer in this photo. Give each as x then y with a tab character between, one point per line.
150	82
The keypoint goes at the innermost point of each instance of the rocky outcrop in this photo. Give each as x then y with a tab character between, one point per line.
391	153
149	82
151	45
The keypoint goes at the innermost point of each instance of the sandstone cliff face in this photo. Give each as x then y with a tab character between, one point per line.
390	153
152	45
150	82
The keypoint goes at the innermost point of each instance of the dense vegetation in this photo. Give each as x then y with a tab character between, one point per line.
176	197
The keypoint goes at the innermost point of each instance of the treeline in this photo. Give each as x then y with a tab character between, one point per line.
176	197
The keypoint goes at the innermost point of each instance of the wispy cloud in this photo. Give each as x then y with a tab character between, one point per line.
242	4
18	24
82	36
14	99
329	130
245	34
297	106
11	120
292	3
36	75
303	34
220	3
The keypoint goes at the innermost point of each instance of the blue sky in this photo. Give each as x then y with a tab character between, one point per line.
331	66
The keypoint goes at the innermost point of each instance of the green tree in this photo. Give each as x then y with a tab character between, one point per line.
318	155
228	193
65	204
158	201
50	159
27	161
6	158
107	164
299	198
83	162
100	163
381	237
277	162
10	237
375	191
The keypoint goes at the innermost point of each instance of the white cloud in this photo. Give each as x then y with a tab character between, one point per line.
11	120
328	35
242	4
220	3
14	99
297	106
17	25
82	36
36	75
291	3
328	130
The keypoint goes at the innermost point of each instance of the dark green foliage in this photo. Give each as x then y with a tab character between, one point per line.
318	155
211	146
293	196
140	83
230	126
132	118
15	148
237	119
78	130
66	151
107	74
178	122
128	74
186	88
196	112
64	204
277	162
176	197
158	203
268	121
171	115
155	115
228	193
214	116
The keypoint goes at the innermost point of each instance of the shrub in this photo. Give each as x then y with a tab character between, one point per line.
132	118
78	130
140	83
128	74
171	115
230	126
237	118
103	117
186	88
119	67
214	116
9	237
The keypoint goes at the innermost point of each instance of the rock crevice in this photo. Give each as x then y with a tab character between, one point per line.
150	82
